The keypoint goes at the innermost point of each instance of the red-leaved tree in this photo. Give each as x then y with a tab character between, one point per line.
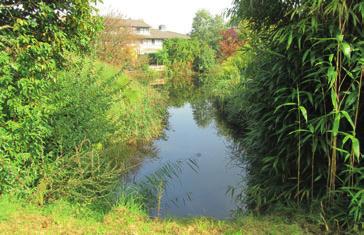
230	43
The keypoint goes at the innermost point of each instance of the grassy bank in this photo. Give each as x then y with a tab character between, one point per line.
17	217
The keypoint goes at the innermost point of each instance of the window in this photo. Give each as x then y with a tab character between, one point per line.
153	41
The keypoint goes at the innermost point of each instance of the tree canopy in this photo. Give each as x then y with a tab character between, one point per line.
207	28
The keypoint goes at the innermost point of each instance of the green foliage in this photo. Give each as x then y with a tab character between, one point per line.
262	13
178	56
34	39
54	98
302	104
60	26
225	77
178	51
98	109
225	83
184	58
80	98
206	28
138	114
86	178
204	59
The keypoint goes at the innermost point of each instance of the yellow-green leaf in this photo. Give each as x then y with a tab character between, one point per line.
346	49
356	147
336	125
304	112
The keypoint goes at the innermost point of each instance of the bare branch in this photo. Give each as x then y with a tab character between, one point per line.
5	27
8	6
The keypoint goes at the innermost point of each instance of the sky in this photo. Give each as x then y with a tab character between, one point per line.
177	15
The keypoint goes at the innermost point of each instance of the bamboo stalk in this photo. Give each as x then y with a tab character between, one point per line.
299	145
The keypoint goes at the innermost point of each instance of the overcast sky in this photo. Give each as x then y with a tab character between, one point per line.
177	15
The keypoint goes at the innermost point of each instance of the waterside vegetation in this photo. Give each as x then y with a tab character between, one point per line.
74	112
295	91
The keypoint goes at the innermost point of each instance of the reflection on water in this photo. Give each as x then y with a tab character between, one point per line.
208	164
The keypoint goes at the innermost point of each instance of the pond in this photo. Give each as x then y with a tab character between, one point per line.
208	165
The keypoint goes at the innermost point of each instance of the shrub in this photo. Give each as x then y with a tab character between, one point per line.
54	98
137	114
185	59
226	85
80	98
204	60
85	177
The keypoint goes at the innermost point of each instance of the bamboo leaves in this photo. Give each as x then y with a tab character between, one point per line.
356	147
336	124
303	112
289	40
311	123
346	49
331	76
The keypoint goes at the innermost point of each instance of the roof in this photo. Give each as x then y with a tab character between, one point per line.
154	33
128	22
135	23
158	34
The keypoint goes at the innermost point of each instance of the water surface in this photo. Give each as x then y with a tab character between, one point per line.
209	165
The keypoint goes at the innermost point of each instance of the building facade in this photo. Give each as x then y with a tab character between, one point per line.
149	40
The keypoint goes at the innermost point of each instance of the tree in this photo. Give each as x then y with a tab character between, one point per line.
207	28
229	44
63	24
116	43
35	37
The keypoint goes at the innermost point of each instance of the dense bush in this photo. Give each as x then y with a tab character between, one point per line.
80	98
304	104
225	83
34	39
185	58
137	114
204	59
54	98
189	60
85	177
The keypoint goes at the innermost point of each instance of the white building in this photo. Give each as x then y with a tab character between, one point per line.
150	40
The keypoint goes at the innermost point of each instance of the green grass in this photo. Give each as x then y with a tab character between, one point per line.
19	217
